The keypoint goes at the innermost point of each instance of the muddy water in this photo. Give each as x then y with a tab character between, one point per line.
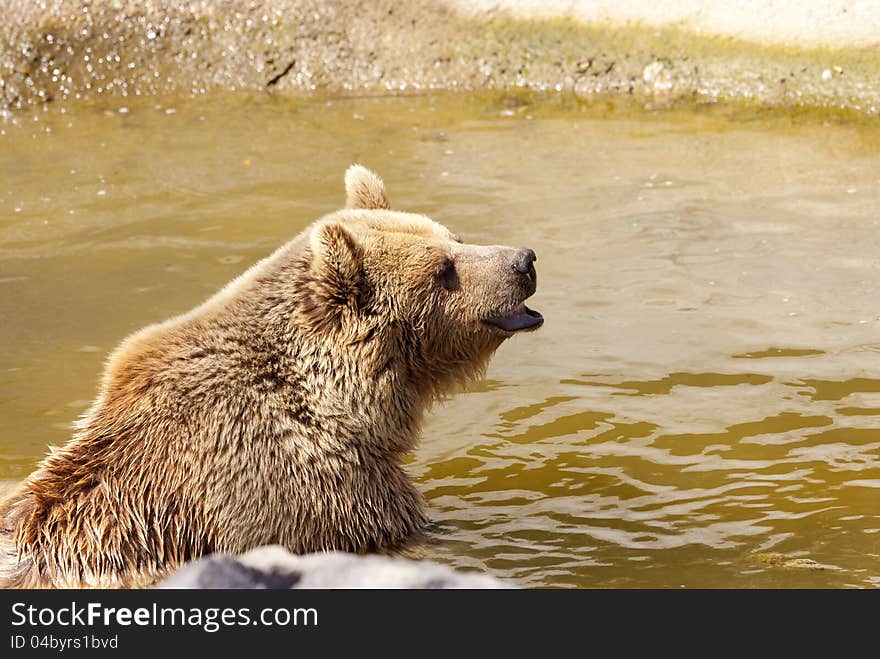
702	406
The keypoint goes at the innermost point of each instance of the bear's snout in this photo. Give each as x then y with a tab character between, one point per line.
521	283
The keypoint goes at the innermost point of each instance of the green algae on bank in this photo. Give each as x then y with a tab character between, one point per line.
61	50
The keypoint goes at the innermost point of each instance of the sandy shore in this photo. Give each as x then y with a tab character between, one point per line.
803	23
668	52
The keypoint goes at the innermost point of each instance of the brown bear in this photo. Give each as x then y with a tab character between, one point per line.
276	412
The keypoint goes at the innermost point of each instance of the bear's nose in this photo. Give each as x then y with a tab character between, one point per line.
523	260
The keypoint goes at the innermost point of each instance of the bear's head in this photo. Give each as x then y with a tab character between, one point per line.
408	293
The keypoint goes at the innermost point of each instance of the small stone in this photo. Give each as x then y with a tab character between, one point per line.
656	75
650	73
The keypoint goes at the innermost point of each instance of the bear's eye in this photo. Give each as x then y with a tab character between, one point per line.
447	275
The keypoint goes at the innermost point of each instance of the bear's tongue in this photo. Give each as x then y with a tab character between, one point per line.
522	318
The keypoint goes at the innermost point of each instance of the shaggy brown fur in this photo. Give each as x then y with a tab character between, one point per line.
277	412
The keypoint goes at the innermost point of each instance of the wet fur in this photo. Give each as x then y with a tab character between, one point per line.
277	412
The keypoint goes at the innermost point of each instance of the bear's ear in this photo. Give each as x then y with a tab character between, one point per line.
338	265
364	189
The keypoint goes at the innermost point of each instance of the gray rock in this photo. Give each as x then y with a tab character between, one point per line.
275	567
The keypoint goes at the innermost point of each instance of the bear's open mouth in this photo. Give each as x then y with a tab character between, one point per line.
522	319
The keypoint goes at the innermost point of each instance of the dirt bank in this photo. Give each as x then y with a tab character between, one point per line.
75	49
